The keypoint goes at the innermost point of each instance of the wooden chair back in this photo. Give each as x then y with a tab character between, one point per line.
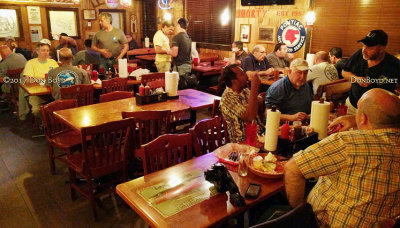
51	124
165	151
216	111
14	75
220	87
208	135
154	80
261	105
82	93
114	84
116	95
150	124
104	147
338	92
322	88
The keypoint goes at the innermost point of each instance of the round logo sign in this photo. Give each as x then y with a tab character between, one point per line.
164	4
112	4
293	34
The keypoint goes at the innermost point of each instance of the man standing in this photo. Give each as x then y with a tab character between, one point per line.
279	58
238	103
371	67
357	171
66	75
181	48
292	94
161	46
10	61
335	55
240	54
108	42
322	72
87	56
257	61
67	42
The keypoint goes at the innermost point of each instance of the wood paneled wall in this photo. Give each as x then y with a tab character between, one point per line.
342	22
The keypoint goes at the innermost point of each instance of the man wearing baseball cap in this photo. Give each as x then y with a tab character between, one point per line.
371	67
292	94
10	42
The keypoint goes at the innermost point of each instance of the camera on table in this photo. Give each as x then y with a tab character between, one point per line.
223	181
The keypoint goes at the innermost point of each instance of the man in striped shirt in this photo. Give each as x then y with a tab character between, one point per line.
358	171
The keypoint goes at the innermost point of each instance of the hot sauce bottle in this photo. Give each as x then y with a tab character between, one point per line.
141	90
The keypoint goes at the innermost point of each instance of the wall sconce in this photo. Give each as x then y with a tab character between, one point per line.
126	3
310	18
225	17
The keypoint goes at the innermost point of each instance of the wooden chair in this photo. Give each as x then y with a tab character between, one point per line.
165	151
261	105
338	92
114	84
216	111
103	154
57	134
116	95
82	93
154	80
322	88
14	89
220	87
208	135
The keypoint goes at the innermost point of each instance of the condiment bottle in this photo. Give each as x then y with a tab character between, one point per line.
285	131
141	90
147	90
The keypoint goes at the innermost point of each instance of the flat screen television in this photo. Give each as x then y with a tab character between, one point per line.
266	2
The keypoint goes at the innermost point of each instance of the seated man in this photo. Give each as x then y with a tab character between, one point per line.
10	61
131	42
279	59
357	171
256	61
335	55
34	72
240	54
10	42
88	56
238	103
66	75
322	72
292	94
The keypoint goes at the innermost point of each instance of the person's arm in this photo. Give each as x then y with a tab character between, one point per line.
173	51
123	51
70	40
346	122
294	183
252	107
160	50
105	52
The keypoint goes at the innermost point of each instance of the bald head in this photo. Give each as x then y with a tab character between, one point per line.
381	107
321	56
5	51
66	55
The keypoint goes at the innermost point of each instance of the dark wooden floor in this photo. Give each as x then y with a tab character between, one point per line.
31	197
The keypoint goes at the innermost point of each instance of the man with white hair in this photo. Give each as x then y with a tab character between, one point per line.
292	95
257	61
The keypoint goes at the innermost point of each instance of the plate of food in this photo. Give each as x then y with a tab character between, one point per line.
267	165
229	153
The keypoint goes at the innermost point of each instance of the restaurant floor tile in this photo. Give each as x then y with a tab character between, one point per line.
31	197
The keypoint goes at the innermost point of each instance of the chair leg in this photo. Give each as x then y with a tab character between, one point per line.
92	199
51	159
72	182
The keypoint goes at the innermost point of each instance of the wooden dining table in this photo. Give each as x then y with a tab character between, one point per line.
35	89
213	211
141	51
205	68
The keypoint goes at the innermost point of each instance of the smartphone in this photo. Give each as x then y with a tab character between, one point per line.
253	191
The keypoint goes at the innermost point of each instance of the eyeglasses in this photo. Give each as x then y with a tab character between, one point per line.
263	52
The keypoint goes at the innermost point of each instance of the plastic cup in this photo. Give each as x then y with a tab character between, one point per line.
196	61
251	133
95	75
276	74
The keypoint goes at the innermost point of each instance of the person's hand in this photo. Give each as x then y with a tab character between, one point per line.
106	53
270	71
254	77
299	116
14	45
346	122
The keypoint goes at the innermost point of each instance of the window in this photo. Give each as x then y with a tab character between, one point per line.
205	23
149	18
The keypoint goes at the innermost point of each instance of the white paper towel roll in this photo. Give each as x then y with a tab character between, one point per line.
123	68
147	42
193	45
310	59
171	83
272	129
320	118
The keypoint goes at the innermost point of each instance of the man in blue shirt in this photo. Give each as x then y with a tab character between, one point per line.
292	94
257	61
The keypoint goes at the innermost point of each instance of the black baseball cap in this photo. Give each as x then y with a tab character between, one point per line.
374	38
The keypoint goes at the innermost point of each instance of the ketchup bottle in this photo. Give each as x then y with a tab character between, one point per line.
147	90
141	90
285	131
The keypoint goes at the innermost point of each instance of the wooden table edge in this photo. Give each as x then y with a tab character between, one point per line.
25	88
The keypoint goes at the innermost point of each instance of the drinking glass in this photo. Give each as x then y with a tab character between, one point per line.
251	133
243	159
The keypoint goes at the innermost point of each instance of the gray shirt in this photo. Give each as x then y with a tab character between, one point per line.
65	76
277	62
13	61
87	56
111	40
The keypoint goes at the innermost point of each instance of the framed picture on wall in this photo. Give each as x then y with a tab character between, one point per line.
89	14
10	23
118	18
266	34
62	20
245	30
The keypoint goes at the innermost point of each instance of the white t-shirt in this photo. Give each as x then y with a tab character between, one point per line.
322	73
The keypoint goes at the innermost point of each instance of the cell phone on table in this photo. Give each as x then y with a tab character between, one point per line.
253	191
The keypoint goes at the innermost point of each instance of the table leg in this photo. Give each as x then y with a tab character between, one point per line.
193	117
